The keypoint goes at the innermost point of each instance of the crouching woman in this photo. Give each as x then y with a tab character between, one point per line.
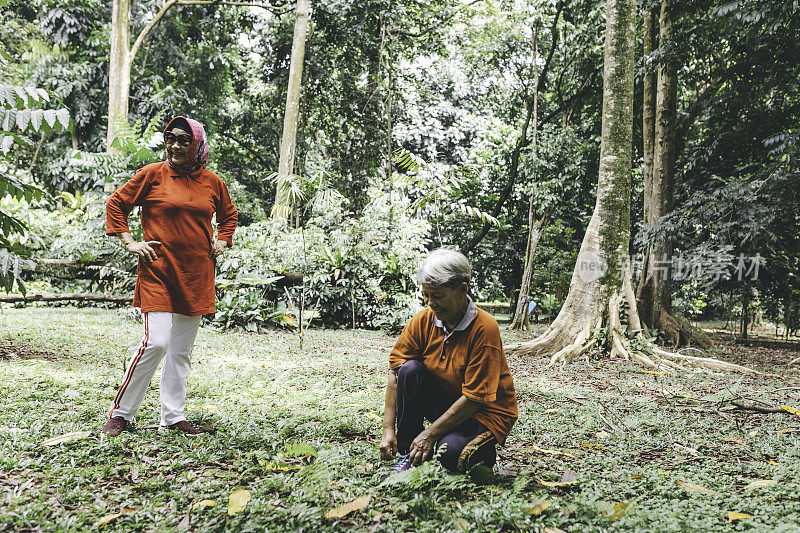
448	367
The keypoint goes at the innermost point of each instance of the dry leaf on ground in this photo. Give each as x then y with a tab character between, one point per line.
620	509
735	515
535	448
538	507
551	529
107	519
555	484
759	483
789	409
694	487
355	505
202	504
237	501
67	437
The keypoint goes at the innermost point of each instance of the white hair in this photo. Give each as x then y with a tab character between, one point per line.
444	266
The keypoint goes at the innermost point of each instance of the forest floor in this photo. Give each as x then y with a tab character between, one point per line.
599	445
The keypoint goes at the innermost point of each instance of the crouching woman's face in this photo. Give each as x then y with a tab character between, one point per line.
449	303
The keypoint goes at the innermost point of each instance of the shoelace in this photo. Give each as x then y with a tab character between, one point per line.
403	462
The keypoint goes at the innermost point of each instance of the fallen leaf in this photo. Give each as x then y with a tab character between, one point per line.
67	437
344	510
551	411
202	504
753	432
653	372
366	467
209	408
774	463
538	507
550	452
376	416
592	445
619	511
793	410
737	440
601	434
569	476
759	483
693	487
637	476
237	501
735	515
107	519
554	484
662	473
550	529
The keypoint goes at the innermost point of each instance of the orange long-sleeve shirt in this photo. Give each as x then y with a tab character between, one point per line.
176	210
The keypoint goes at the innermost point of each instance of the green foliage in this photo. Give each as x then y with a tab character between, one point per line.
131	149
21	112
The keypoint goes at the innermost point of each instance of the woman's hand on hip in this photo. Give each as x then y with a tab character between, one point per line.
388	444
421	448
219	247
143	249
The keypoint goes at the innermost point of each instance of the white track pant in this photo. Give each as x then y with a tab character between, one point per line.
164	333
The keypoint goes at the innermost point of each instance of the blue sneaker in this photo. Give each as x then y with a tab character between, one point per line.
403	463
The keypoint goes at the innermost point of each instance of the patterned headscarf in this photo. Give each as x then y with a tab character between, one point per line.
198	151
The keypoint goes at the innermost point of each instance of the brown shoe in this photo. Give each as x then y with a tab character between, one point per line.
185	427
116	425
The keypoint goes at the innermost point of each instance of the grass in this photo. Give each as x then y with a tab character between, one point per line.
299	431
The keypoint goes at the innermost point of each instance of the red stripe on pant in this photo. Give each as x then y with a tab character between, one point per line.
132	367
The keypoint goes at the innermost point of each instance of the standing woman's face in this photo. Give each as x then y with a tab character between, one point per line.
177	144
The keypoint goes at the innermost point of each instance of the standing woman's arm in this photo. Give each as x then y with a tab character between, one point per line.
120	205
227	218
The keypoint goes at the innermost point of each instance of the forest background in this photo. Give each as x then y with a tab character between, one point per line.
656	140
420	124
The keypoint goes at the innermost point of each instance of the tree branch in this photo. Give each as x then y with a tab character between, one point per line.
167	5
521	144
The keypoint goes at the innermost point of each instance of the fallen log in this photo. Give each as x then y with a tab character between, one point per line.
62	297
68	268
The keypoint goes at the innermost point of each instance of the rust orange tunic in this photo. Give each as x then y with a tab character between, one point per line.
176	210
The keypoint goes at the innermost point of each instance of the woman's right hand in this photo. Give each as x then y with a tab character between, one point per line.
143	249
388	444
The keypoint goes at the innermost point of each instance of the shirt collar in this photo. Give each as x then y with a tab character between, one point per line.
469	316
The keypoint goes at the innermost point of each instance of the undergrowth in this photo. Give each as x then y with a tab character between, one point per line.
600	448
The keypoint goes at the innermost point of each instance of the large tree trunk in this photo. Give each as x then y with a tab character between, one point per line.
654	298
282	205
601	280
119	68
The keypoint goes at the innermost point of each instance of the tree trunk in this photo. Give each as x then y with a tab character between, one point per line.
282	205
601	280
521	317
520	320
648	139
63	297
119	68
654	298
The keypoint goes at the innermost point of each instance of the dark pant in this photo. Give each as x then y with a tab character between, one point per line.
420	397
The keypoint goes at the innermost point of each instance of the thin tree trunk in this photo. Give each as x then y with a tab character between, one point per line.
648	138
288	141
521	316
520	320
119	68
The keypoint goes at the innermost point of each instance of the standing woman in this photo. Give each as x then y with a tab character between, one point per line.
175	281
